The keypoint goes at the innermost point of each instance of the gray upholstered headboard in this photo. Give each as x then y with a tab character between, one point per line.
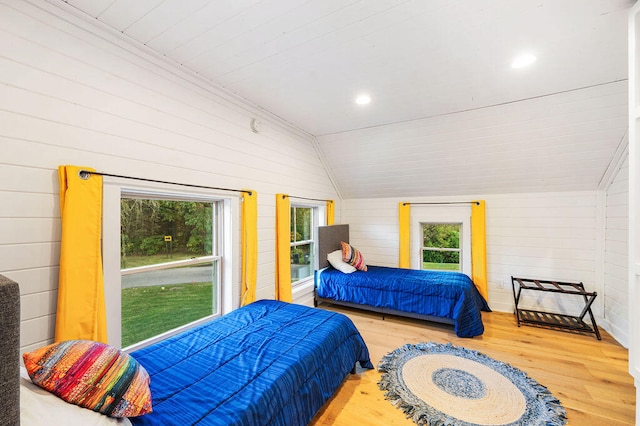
9	352
329	238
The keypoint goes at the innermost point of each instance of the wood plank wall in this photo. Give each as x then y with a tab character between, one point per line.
70	94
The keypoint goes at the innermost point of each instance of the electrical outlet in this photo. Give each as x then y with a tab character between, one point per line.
505	284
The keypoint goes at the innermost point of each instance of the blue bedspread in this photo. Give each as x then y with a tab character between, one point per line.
449	295
268	363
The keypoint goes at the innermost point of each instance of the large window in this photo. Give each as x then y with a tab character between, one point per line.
441	246
303	223
170	264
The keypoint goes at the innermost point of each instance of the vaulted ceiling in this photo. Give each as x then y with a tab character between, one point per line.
448	114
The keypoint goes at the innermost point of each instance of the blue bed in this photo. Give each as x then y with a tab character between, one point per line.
446	297
268	363
433	295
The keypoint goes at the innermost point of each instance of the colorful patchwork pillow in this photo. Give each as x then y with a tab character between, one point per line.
92	375
352	256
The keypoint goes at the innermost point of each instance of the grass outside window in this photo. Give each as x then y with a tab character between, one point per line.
152	310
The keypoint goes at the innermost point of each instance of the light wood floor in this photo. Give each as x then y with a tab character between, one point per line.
589	377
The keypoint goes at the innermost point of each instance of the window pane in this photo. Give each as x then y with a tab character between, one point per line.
441	260
441	235
154	302
164	296
155	231
441	246
301	261
301	223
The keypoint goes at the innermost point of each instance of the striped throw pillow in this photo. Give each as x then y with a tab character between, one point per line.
352	256
92	375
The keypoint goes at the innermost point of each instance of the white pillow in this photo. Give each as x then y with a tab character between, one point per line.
335	259
39	407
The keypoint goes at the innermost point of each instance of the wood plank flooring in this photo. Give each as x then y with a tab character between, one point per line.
588	376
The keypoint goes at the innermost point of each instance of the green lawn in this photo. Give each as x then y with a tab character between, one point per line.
440	266
149	311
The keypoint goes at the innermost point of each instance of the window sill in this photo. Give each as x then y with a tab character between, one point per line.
302	286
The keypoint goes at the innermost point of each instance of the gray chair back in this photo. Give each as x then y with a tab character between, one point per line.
9	352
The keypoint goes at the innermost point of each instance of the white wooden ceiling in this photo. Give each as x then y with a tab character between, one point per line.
448	114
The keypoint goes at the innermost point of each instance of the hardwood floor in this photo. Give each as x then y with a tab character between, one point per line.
589	377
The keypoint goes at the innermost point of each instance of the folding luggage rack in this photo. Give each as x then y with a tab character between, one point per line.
551	319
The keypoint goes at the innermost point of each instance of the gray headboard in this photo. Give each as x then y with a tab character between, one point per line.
9	352
329	238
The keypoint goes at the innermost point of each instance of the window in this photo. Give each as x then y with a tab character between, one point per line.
441	246
170	259
304	220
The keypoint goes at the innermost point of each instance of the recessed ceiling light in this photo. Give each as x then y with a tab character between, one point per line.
363	99
523	61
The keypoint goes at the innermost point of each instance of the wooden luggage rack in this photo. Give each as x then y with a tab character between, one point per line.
551	319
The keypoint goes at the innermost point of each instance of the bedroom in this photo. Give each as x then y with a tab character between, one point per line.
78	92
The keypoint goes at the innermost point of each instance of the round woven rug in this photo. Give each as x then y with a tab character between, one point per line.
442	384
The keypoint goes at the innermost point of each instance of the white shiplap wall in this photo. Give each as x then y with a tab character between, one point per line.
616	255
536	235
71	93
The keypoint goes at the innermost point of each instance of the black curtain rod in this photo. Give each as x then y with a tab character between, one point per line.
85	174
304	198
477	203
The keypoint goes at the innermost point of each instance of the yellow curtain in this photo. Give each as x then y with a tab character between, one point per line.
249	242
404	219
283	248
330	212
81	312
479	248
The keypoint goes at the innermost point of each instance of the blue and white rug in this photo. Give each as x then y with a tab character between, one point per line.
441	384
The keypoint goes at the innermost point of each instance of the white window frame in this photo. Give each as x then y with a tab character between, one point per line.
460	214
229	249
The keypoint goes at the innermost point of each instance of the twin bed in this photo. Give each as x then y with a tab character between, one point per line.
445	297
268	363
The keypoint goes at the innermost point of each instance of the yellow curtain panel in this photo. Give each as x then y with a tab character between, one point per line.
283	248
81	312
479	248
330	212
404	219
249	246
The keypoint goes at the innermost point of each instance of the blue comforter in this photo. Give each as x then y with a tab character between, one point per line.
268	363
441	294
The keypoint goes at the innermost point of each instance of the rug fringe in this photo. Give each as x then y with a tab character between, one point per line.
548	410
